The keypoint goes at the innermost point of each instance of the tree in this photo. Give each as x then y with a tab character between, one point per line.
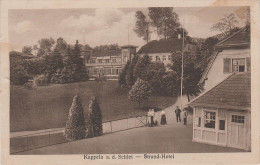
53	62
139	92
27	50
225	25
141	67
61	45
191	73
94	119
18	73
35	66
205	53
130	78
165	20
142	26
75	126
77	64
156	73
122	76
45	46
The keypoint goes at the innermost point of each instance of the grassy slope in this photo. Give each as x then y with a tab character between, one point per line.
47	106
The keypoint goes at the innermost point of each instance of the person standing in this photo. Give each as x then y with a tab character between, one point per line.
178	114
163	118
185	116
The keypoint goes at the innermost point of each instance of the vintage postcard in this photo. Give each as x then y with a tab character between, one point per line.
114	82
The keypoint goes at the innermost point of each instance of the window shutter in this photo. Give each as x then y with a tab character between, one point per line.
227	65
248	64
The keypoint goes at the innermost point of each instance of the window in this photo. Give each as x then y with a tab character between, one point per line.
238	119
92	61
157	58
238	65
209	119
107	60
113	60
169	57
164	58
221	124
99	61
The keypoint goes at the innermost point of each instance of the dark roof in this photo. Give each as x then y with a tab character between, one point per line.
106	53
236	40
206	71
232	93
161	46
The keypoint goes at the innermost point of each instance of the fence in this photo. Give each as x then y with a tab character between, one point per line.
48	138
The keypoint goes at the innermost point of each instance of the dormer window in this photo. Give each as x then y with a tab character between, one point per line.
238	65
232	65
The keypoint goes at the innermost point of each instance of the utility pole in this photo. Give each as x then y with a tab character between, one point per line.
128	33
182	52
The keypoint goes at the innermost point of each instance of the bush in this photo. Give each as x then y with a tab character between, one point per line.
94	119
28	85
41	80
19	76
75	125
140	91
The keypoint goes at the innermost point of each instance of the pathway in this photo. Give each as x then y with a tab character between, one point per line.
171	138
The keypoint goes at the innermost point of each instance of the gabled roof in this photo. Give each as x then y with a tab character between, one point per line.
161	46
232	93
206	71
239	39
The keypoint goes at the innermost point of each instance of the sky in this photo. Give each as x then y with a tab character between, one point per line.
104	25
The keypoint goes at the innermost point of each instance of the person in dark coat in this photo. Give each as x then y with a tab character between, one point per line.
178	114
163	118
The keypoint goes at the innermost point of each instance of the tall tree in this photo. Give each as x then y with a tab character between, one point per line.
53	62
165	20
27	50
45	46
130	77
191	74
226	24
142	26
142	67
77	63
156	73
61	45
122	76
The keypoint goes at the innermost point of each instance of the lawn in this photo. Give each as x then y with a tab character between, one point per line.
47	106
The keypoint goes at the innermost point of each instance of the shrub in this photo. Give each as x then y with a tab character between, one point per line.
140	91
18	76
40	80
94	119
28	85
75	125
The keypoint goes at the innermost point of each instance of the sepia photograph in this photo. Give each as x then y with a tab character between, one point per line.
130	80
125	83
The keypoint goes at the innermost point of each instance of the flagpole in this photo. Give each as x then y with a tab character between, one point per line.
182	63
